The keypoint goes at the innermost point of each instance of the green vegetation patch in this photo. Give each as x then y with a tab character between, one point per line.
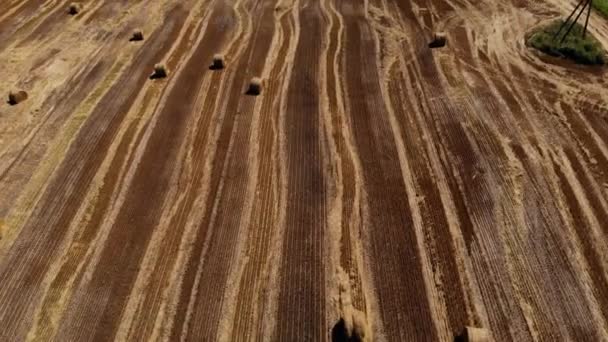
601	6
581	50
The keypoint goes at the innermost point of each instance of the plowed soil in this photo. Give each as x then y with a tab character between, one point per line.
374	184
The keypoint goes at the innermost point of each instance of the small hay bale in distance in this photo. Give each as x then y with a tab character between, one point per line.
255	86
138	35
16	97
160	71
218	62
439	40
74	8
472	334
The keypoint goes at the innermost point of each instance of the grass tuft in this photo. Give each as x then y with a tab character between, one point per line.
581	50
601	6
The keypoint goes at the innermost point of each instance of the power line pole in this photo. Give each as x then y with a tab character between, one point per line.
586	4
587	20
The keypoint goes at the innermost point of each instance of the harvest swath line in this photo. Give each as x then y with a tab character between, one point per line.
349	193
586	239
386	197
9	22
263	216
191	277
443	253
148	308
131	235
32	149
302	285
29	256
228	201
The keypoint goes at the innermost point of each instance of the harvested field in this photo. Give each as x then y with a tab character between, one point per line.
374	188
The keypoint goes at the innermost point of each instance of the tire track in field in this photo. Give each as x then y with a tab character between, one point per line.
396	272
19	18
78	257
94	23
100	316
34	249
15	176
213	249
537	301
229	203
350	196
7	6
462	168
203	159
438	239
443	129
152	307
349	283
433	207
77	260
252	296
597	269
302	298
65	80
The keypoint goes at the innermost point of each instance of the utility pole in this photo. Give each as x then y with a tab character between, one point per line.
587	19
586	4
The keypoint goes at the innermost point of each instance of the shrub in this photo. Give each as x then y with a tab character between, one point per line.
581	50
601	6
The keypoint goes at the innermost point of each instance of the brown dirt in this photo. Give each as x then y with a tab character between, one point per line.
375	187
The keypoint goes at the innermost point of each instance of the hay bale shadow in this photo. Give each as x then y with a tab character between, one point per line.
160	71
472	334
439	40
137	36
14	98
339	333
218	63
74	8
255	87
460	338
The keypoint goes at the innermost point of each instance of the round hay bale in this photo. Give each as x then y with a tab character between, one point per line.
17	97
218	62
137	35
472	334
160	71
255	86
439	40
74	8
